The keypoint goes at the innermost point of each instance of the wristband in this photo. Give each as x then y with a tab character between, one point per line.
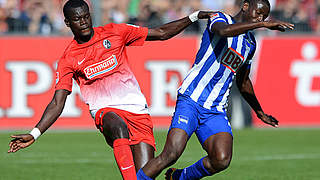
35	133
194	16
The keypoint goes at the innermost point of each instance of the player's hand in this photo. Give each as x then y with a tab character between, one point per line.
20	141
278	25
205	14
268	119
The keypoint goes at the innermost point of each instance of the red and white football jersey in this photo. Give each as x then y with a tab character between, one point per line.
100	67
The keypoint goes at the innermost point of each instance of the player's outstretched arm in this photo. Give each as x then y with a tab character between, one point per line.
171	29
230	30
273	24
50	115
246	89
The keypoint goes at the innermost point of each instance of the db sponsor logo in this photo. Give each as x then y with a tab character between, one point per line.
232	60
101	67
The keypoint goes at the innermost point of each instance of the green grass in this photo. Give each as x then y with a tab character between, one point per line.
259	154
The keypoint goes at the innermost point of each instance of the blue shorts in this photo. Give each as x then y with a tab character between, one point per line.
192	117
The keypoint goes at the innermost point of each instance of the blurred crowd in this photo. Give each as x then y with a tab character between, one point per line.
45	17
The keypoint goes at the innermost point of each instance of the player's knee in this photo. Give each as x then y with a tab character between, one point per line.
219	162
222	165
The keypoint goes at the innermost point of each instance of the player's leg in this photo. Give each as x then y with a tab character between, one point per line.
115	131
174	147
219	149
142	153
142	142
217	140
183	124
215	135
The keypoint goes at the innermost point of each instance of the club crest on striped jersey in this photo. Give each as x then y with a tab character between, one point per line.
232	60
106	43
101	67
183	119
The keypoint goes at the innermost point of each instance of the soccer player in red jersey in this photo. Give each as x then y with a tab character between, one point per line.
97	60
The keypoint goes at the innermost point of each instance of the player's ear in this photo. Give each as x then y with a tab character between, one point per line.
245	6
66	21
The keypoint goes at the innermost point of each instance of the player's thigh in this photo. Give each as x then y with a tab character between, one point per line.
114	126
215	134
185	117
142	153
211	123
110	124
175	144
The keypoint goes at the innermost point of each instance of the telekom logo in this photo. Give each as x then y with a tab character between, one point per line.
305	70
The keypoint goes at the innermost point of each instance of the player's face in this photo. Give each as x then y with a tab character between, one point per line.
258	12
79	21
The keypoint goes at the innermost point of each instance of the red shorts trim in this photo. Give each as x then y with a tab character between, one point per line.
140	126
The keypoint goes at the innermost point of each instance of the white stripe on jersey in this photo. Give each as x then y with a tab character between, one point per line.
195	71
230	39
225	96
217	88
246	53
229	18
239	44
205	80
216	20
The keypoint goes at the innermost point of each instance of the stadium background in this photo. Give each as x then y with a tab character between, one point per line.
285	73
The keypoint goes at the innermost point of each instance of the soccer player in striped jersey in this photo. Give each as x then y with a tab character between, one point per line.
226	51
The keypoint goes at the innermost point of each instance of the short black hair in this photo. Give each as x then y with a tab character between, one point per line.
255	1
73	4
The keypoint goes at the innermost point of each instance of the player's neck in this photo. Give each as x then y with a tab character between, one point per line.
84	39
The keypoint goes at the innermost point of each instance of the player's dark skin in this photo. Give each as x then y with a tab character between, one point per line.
219	146
79	21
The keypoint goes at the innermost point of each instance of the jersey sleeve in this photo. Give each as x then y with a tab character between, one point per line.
250	57
216	17
248	62
133	35
64	75
252	52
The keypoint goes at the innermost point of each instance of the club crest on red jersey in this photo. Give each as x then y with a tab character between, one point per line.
232	60
101	67
107	44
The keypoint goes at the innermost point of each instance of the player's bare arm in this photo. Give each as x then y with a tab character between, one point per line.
229	30
171	29
50	115
277	25
246	89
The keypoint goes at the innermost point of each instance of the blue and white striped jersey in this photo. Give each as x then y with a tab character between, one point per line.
217	61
